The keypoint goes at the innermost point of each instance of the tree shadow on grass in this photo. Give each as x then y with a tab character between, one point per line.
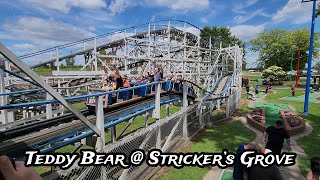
222	136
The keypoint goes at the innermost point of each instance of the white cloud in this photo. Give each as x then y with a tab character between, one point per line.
204	20
23	46
239	8
182	4
294	12
65	5
153	18
247	32
251	58
244	18
42	32
92	28
118	6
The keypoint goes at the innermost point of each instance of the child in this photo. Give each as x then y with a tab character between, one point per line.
257	91
293	91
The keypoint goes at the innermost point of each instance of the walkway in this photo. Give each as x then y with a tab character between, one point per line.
272	115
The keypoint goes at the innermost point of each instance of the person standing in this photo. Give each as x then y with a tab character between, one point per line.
256	90
293	91
314	174
249	96
239	169
247	88
117	79
267	87
158	74
276	135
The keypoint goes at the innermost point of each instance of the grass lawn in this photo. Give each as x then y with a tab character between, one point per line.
46	71
310	143
221	136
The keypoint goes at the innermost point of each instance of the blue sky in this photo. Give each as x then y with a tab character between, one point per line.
31	25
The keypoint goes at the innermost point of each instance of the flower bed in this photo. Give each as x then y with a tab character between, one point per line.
293	123
257	118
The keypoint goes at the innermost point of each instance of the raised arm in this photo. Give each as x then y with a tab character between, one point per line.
115	68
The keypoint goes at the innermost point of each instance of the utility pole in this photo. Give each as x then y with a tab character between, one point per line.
298	67
306	100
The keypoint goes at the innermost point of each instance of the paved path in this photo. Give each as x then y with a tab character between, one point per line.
288	173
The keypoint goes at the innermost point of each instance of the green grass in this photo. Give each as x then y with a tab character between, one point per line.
138	123
247	73
46	71
310	143
313	98
222	136
253	79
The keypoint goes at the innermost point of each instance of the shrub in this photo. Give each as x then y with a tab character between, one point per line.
274	74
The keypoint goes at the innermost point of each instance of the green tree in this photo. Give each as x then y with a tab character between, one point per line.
70	62
278	47
317	67
318	11
221	35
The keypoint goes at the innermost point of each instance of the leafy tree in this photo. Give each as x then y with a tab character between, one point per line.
278	47
318	11
274	73
221	35
70	62
317	67
102	52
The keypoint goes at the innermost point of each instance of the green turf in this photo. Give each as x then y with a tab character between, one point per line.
260	81
227	175
259	95
272	111
312	98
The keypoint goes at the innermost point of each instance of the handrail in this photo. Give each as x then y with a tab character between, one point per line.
40	89
18	76
76	98
226	88
20	92
106	126
212	89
